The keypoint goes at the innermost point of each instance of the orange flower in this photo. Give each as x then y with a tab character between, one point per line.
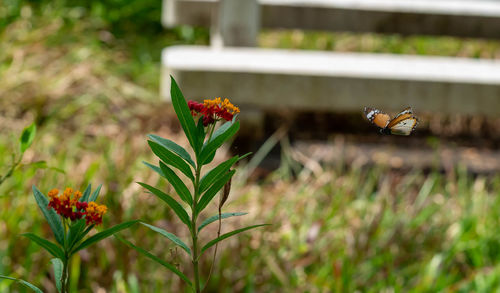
68	205
213	110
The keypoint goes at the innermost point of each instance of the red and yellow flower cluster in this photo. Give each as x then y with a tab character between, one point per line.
213	110
68	205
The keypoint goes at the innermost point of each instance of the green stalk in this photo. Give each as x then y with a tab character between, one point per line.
65	275
194	217
194	232
11	170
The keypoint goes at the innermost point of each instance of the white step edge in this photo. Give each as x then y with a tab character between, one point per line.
314	63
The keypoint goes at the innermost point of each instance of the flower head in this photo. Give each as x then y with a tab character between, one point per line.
213	110
69	206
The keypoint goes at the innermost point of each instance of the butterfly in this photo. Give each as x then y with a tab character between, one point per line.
403	124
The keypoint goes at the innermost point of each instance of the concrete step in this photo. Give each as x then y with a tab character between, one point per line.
463	18
341	82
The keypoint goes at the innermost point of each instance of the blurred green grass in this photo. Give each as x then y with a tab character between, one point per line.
88	73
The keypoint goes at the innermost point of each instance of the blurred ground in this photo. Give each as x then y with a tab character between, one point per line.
87	73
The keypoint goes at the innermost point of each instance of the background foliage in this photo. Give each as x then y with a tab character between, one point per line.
87	73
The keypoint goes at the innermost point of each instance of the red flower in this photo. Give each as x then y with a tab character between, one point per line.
213	110
70	207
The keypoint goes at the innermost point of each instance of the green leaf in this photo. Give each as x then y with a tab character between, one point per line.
212	191
171	158
177	183
170	236
74	233
216	217
201	132
155	168
157	259
222	134
23	282
215	173
52	217
172	203
27	137
86	193
227	235
172	146
184	115
52	248
95	194
104	234
57	266
244	156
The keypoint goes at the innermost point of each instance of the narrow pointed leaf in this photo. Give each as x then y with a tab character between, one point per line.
172	146
221	135
244	156
52	248
50	215
227	235
155	168
212	191
172	203
104	234
57	266
74	232
23	282
184	115
170	236
86	194
95	194
177	183
27	137
171	158
215	173
201	133
156	259
216	217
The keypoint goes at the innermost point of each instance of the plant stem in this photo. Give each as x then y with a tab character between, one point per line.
65	276
11	170
194	232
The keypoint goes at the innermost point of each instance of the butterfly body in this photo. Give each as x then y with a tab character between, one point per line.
403	124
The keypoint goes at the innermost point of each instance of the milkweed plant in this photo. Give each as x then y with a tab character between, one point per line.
71	215
207	126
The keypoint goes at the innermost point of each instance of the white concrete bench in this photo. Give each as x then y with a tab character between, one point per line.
329	81
269	79
463	18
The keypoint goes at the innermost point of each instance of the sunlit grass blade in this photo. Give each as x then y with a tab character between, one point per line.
51	216
27	137
172	146
156	259
170	236
212	191
184	114
222	134
104	234
86	193
95	194
23	282
177	183
172	203
216	217
57	266
171	158
155	168
215	173
52	248
227	235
